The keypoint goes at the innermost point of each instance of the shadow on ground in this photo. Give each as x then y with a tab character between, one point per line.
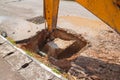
94	69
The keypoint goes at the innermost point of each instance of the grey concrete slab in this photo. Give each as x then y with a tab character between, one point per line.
35	72
6	73
5	49
17	60
31	8
1	40
21	8
18	29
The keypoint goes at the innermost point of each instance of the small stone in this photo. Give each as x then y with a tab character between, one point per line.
4	34
94	77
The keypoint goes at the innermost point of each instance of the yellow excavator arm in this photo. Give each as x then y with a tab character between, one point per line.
51	13
106	10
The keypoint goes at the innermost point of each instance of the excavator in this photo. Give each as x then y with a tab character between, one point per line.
107	10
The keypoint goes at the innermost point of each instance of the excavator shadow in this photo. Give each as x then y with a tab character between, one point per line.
95	69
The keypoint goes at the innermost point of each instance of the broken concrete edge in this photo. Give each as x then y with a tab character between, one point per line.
38	62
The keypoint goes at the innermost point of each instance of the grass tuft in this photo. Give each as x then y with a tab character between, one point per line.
56	71
29	52
11	40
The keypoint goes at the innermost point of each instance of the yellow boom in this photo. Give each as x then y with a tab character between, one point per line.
50	13
106	10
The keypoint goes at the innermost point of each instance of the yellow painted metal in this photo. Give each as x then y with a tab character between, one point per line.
50	13
106	10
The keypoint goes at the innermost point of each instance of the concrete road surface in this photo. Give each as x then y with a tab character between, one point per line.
31	8
6	72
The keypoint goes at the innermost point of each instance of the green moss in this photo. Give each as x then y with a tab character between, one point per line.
11	40
56	71
29	52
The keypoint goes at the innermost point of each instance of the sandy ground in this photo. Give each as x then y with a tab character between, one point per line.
101	59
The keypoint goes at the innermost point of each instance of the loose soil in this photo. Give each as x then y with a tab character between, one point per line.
65	58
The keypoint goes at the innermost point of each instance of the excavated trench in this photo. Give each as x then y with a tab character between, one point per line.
61	46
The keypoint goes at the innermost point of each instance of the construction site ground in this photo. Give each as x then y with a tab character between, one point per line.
98	60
